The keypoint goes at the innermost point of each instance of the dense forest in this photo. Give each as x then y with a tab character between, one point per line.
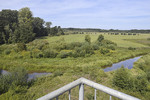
21	26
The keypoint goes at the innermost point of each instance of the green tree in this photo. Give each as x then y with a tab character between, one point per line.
60	31
7	20
38	26
121	79
1	38
88	39
48	25
24	32
100	38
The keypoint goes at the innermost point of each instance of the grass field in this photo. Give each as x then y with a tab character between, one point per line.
121	40
68	69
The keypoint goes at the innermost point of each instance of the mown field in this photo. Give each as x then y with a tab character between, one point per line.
66	66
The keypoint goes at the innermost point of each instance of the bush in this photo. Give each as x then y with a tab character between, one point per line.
148	76
85	49
7	52
17	77
73	45
21	47
95	47
36	53
104	51
112	47
49	53
38	44
100	38
131	48
121	79
5	82
98	74
64	54
140	84
87	38
58	73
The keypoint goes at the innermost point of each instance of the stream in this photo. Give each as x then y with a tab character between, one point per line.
126	63
30	75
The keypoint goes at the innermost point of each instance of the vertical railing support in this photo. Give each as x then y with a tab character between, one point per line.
69	94
95	95
81	91
56	98
110	97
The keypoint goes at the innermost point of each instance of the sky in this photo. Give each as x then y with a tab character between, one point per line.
103	14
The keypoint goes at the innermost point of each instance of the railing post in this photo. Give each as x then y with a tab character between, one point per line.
69	94
110	97
81	91
95	95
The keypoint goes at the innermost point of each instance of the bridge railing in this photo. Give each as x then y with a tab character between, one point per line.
80	82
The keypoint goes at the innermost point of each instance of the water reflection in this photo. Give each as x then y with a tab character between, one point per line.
127	64
30	76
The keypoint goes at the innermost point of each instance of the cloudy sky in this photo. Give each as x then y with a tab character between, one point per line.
104	14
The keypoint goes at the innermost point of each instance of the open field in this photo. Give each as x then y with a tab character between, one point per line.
53	64
119	39
70	68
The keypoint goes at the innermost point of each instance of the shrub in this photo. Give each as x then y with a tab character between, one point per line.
148	76
98	74
100	38
38	44
73	45
25	54
58	73
21	46
87	38
121	79
36	53
64	54
79	52
7	52
49	53
131	48
140	84
85	49
19	76
104	51
5	81
95	47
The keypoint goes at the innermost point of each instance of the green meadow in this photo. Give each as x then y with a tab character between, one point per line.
58	55
121	40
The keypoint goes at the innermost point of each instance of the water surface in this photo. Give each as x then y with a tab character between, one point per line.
126	63
30	76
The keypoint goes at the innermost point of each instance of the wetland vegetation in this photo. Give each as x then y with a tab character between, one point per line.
68	57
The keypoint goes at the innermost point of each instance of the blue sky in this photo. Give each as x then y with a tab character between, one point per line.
104	14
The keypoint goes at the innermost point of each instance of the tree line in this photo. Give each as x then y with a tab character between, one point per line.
105	30
21	27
